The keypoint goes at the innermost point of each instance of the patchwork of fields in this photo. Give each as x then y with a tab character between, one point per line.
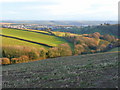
33	36
21	47
14	42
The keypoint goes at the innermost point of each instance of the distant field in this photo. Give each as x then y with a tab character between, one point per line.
61	34
83	71
6	23
37	37
38	31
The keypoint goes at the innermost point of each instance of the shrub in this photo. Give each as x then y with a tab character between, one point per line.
32	55
78	49
53	52
5	60
23	58
64	50
14	60
95	35
61	50
43	53
109	38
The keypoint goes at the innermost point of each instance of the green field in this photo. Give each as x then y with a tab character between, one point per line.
37	37
40	31
14	42
84	71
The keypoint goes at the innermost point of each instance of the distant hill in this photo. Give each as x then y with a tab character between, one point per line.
84	71
102	29
76	23
105	29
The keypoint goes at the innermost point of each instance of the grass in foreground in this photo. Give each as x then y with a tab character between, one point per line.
93	70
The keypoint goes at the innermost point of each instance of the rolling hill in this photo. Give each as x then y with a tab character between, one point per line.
14	42
26	45
33	36
102	29
52	22
84	71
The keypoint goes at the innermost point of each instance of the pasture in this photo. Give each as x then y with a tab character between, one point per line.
37	37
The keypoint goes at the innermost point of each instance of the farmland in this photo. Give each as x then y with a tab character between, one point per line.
20	45
14	42
38	37
24	45
83	71
71	61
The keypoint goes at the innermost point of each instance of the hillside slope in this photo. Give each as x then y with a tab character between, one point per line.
92	70
37	37
104	29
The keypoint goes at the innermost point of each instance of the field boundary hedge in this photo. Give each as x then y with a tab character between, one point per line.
26	40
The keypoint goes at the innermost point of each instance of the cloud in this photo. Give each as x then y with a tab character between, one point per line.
64	9
72	7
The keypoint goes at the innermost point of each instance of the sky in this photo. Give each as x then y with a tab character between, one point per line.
80	10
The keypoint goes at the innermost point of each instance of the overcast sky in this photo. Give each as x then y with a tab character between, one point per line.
59	9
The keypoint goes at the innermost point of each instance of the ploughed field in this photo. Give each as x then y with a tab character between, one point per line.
83	71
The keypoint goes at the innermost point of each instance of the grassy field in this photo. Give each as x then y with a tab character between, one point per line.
14	42
39	31
61	34
37	37
84	71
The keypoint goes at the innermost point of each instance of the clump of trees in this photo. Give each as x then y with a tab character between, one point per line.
61	50
91	43
19	54
25	55
79	49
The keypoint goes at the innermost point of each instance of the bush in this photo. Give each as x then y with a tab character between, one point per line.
64	50
14	60
61	50
78	49
23	58
53	52
109	38
43	53
32	55
5	60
